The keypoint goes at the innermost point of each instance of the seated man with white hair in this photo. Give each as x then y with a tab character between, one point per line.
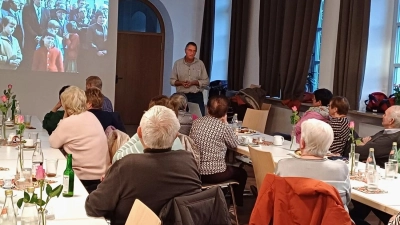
316	138
155	177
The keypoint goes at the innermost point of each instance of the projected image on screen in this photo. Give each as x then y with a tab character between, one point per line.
54	35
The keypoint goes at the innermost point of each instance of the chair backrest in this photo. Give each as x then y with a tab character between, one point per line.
115	140
189	145
263	163
203	208
255	119
141	214
194	108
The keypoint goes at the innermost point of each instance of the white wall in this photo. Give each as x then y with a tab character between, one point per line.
377	71
38	92
187	19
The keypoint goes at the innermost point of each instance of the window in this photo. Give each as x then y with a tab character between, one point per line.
396	50
222	26
142	19
313	71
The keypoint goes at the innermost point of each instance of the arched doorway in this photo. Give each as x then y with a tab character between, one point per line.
140	58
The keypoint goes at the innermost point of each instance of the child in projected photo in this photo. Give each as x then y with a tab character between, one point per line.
72	49
10	51
47	57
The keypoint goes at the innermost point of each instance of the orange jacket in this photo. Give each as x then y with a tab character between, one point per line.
300	201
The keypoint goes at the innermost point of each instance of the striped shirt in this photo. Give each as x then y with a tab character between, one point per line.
341	132
134	146
212	138
396	220
107	105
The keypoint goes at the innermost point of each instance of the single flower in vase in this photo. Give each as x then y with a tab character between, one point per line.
6	103
39	201
294	118
352	149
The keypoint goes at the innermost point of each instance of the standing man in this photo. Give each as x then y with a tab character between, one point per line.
34	23
15	11
190	77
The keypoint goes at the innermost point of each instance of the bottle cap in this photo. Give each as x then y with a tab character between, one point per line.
9	192
30	189
371	150
394	143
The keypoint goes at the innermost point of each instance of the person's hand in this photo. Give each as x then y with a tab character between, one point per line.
102	177
365	139
100	53
186	84
194	83
14	62
56	107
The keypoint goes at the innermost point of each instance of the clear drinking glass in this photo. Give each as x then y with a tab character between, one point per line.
390	170
372	180
239	124
51	167
27	120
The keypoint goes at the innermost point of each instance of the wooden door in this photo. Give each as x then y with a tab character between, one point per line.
139	73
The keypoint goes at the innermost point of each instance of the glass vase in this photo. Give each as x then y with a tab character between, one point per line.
20	163
3	127
293	136
352	161
30	215
42	217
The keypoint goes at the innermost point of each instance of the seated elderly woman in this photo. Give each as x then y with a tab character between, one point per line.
213	136
80	133
179	100
338	108
134	145
52	118
316	137
94	104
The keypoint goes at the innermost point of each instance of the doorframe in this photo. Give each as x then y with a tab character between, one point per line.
162	33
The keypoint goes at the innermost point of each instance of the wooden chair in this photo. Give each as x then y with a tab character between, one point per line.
255	119
194	108
141	214
263	163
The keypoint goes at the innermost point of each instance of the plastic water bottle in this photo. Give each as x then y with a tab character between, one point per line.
234	121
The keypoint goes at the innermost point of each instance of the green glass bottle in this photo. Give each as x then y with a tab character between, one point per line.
68	178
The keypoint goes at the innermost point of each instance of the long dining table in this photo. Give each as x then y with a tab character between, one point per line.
387	202
63	210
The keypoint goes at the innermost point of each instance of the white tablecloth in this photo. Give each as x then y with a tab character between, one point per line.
388	202
66	210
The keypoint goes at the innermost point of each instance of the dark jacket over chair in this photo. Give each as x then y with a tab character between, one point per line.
108	119
155	177
382	144
206	207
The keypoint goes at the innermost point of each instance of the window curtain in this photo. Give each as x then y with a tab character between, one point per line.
207	35
240	16
351	49
286	39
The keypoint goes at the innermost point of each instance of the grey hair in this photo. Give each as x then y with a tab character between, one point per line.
180	100
317	136
395	115
159	127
